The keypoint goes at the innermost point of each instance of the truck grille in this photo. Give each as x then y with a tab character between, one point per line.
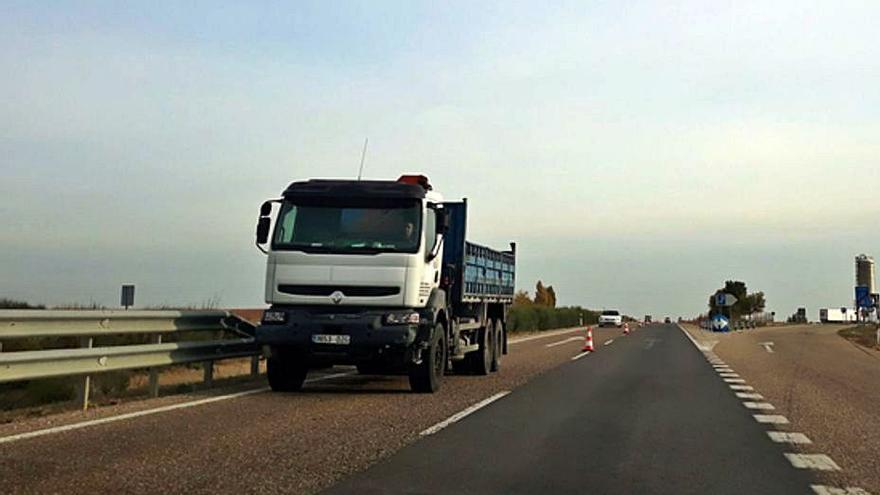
347	290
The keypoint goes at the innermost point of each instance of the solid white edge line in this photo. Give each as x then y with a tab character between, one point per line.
147	412
580	355
462	414
566	341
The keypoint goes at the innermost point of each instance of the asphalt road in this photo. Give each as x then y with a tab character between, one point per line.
257	443
650	417
827	387
644	413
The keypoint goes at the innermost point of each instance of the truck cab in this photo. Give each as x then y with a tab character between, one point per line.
363	273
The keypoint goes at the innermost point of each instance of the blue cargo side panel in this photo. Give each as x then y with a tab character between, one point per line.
488	274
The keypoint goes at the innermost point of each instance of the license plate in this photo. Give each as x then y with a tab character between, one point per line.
331	339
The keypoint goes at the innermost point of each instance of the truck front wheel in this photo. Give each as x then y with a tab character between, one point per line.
285	374
425	377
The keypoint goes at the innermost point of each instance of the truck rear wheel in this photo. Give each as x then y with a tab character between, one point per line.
498	347
285	374
425	377
481	359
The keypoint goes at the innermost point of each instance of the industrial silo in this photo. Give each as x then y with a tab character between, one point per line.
865	272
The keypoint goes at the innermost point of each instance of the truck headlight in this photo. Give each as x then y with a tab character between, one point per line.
273	316
411	318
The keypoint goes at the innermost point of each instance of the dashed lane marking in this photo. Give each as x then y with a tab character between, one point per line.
832	490
741	387
761	406
788	437
608	342
819	462
747	395
727	374
463	413
580	355
770	419
566	341
734	380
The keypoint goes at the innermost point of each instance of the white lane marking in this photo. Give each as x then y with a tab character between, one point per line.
742	387
788	437
463	413
544	335
771	419
734	380
706	348
728	374
147	412
649	343
608	342
832	490
768	346
762	406
566	341
721	366
747	395
580	355
820	462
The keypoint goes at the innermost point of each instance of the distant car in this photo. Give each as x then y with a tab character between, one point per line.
610	318
667	320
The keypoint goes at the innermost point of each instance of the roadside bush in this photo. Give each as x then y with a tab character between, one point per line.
534	317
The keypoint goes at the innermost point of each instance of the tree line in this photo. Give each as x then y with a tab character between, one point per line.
540	312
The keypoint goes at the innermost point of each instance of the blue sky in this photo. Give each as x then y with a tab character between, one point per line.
640	152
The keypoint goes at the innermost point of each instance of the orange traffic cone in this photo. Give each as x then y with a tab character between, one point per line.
626	328
588	341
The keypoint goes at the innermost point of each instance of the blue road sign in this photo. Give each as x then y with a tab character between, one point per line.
720	323
863	297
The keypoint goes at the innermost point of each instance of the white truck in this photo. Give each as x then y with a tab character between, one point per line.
378	274
837	315
610	318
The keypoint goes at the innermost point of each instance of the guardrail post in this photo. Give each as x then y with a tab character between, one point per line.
83	388
154	372
255	365
209	373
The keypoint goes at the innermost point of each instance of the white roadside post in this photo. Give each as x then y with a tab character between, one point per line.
83	388
154	372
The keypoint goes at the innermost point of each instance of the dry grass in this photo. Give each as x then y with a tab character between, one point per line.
864	335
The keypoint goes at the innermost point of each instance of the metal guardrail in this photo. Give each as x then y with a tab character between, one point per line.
86	360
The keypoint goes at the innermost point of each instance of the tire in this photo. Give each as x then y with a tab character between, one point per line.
426	376
498	347
481	360
285	374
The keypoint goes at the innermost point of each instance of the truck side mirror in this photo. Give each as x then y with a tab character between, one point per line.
266	209
263	230
442	221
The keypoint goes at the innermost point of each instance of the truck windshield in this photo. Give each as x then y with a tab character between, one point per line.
349	227
610	312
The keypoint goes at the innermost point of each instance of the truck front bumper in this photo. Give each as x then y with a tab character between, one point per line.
369	338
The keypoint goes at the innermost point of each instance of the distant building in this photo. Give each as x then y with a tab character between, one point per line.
865	272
